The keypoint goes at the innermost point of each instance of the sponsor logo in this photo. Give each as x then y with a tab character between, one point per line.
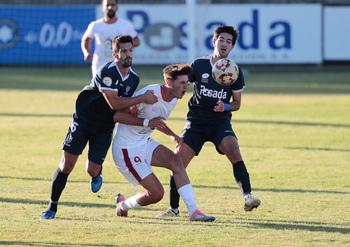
213	93
205	78
107	81
205	75
9	34
145	131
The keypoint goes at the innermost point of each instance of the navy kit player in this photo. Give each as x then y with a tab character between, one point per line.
209	118
110	90
135	152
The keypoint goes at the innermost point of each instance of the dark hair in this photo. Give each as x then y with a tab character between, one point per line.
121	39
226	29
116	1
172	71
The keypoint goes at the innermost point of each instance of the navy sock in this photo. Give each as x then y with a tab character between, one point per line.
242	177
174	195
59	181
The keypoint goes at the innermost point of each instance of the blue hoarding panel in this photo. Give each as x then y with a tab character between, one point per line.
43	34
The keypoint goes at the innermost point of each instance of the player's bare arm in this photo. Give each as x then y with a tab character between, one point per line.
125	117
236	101
117	103
172	135
235	104
86	47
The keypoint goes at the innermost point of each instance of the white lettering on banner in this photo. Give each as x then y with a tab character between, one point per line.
269	33
52	37
212	93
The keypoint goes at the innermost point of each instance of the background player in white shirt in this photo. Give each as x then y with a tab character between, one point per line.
103	31
134	151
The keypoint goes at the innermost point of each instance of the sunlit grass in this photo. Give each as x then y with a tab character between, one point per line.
296	147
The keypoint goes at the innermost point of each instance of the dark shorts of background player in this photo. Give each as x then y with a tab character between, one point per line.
99	138
196	134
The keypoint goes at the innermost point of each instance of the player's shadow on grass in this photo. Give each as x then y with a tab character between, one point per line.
87	181
70	204
271	190
296	225
199	186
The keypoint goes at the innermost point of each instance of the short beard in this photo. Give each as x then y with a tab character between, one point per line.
126	64
110	14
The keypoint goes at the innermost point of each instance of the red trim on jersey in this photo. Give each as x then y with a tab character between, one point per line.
110	23
129	165
161	91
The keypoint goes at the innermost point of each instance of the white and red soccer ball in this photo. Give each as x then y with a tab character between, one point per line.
225	72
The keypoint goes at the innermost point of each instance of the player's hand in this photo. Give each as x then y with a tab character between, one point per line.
88	57
178	140
219	107
150	98
134	110
157	122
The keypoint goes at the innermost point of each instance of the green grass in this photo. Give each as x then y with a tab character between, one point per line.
294	134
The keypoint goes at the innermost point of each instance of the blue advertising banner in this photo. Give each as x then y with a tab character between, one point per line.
43	34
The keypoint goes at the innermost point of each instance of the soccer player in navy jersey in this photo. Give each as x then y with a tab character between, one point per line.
110	90
209	118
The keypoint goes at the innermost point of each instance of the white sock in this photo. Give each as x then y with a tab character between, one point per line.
187	194
130	203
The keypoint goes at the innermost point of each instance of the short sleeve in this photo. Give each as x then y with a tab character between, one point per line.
106	80
239	85
90	31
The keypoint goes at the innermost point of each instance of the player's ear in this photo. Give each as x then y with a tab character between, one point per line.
168	82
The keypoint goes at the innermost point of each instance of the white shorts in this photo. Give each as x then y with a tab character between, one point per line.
135	162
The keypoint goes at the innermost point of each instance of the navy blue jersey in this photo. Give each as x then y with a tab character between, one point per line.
206	91
92	107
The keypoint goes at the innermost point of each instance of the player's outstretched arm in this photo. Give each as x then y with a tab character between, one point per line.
172	135
126	117
117	103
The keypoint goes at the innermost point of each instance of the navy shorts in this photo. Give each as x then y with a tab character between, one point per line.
195	135
99	139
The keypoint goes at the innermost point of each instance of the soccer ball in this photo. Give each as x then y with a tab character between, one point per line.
225	72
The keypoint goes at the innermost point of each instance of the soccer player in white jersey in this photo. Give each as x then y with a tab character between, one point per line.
103	31
135	152
209	118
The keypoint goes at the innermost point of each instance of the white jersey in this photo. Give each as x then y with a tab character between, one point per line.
104	33
132	135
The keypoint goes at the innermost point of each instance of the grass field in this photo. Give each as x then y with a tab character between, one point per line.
294	134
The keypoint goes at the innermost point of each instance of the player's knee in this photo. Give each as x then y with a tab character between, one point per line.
157	195
66	166
93	171
176	164
233	154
